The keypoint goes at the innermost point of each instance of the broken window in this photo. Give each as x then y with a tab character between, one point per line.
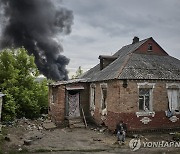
54	94
144	99
92	99
103	106
145	103
104	98
173	98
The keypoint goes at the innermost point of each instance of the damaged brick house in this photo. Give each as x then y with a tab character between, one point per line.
139	84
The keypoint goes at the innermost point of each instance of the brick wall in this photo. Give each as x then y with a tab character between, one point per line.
57	108
123	105
159	121
156	49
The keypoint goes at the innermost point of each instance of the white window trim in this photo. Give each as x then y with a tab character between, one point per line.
141	85
151	86
104	111
143	113
169	85
92	100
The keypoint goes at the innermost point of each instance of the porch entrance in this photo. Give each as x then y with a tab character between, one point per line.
74	110
73	101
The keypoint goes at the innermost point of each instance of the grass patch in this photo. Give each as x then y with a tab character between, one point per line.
176	136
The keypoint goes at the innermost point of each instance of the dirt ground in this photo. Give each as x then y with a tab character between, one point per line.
32	137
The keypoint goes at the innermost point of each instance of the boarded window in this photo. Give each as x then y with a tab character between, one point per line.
144	99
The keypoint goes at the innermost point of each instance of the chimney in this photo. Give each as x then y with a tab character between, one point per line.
135	39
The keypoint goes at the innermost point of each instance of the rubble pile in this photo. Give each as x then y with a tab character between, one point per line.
27	124
23	132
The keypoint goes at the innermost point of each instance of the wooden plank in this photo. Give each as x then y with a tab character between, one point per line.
84	117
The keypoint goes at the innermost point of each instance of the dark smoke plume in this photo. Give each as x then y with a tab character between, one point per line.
35	24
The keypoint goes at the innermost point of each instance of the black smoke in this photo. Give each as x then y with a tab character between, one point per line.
35	24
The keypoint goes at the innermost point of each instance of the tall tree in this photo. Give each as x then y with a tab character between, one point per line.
79	72
24	96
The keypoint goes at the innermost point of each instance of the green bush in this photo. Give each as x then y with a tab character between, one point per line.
24	97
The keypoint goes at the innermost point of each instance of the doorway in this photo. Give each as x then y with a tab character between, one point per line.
73	103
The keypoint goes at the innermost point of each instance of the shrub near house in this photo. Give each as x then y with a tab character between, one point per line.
24	97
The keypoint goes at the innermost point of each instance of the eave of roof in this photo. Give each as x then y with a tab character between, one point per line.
68	82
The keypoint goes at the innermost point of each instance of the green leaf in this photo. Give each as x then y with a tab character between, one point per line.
24	96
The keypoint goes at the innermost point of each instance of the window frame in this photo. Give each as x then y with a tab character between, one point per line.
103	86
174	86
144	100
104	98
54	95
92	98
150	47
151	87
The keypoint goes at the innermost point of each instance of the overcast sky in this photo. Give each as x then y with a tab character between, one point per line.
104	26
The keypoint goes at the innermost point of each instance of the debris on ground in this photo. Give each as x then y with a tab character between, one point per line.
7	138
25	131
102	130
99	129
97	139
30	125
27	142
48	124
34	135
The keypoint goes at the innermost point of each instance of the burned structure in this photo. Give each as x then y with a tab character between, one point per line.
139	84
